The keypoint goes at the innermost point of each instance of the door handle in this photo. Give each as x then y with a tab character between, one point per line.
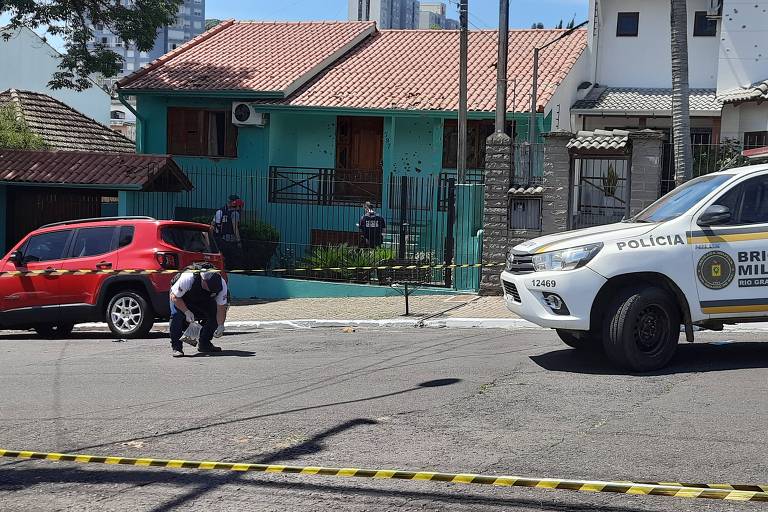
103	265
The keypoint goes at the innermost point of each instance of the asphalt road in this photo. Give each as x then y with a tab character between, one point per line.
505	403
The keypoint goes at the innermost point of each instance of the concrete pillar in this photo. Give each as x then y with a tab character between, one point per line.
498	170
557	168
646	163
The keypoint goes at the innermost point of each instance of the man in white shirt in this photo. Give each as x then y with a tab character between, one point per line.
198	295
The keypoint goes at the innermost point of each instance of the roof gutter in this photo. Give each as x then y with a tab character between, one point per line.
139	121
94	186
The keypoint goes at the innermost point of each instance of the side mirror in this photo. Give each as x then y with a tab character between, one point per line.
16	258
714	215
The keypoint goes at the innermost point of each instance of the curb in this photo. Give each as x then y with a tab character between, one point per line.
313	323
435	323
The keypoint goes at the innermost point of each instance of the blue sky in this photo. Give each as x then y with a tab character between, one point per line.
482	13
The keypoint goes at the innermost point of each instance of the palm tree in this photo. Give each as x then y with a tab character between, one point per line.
681	121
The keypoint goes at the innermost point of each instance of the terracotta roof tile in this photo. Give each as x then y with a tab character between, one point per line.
118	170
272	57
388	69
419	70
62	127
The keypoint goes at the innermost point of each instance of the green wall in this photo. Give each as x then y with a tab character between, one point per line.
412	146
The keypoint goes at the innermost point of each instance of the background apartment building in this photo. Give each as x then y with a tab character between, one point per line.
432	16
401	14
190	22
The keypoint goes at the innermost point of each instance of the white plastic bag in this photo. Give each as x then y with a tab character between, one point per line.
192	334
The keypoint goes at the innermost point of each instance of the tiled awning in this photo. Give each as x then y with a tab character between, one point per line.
608	141
532	190
642	101
755	92
117	171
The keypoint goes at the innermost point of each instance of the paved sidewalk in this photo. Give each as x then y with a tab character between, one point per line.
370	308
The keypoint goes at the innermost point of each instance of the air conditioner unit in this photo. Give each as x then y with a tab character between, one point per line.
244	114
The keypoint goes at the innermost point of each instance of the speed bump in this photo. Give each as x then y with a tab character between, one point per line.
707	491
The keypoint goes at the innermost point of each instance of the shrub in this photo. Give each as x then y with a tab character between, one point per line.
259	231
342	256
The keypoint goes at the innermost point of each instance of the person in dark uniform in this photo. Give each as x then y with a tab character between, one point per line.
372	227
198	296
226	231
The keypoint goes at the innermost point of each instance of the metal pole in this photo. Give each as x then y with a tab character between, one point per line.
461	164
534	97
501	67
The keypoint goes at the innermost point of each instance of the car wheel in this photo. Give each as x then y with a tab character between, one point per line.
580	340
52	331
129	315
641	329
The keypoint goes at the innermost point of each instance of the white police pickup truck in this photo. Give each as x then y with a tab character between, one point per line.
697	257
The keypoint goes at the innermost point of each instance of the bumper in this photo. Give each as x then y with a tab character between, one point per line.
524	296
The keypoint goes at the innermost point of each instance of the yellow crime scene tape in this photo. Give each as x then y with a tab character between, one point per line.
678	490
62	272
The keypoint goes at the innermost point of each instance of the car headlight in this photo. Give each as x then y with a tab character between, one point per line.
566	259
510	261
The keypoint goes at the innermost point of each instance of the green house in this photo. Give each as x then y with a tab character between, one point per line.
306	121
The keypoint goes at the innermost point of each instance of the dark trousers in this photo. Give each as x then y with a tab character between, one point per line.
205	312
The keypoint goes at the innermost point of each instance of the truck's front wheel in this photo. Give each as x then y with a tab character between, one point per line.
580	340
642	328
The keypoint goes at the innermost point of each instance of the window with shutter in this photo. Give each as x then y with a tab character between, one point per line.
201	132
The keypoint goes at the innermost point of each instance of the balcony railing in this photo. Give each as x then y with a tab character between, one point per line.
324	185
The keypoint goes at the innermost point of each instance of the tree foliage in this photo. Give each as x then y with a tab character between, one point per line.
211	22
15	134
74	21
538	25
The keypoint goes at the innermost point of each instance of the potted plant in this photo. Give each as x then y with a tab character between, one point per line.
259	243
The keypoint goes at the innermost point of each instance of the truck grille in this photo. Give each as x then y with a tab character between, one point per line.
511	289
522	263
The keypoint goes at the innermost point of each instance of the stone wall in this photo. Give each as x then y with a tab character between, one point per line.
498	169
645	171
646	163
557	168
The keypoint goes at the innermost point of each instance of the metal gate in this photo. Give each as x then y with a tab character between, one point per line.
600	189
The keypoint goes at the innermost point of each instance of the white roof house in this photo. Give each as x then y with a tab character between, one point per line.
629	83
29	62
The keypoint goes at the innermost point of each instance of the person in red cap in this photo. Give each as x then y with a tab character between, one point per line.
226	231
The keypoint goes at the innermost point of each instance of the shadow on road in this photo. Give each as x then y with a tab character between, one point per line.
107	336
224	352
194	428
690	358
37	473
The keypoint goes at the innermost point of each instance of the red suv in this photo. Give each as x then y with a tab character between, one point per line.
129	303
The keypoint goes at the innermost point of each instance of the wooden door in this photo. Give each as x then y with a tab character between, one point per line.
359	146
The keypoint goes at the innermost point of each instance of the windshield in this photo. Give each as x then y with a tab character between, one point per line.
681	199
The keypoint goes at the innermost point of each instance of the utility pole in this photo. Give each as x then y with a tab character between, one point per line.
534	98
501	67
461	163
535	86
